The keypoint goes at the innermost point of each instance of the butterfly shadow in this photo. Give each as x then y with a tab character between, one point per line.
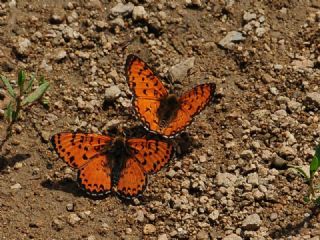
65	185
11	161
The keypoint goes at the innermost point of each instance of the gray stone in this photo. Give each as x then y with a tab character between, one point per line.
139	13
226	179
112	93
122	9
231	38
251	222
180	70
247	16
253	179
23	46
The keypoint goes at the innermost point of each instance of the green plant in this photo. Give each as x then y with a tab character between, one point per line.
20	99
309	177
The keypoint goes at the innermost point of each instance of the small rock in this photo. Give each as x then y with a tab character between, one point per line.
57	17
16	186
112	93
313	99
246	154
70	207
302	63
287	152
73	219
251	222
59	55
45	136
232	237
274	91
194	3
163	237
226	179
260	31
171	173
202	235
18	165
23	46
213	216
118	22
293	105
203	158
140	216
180	70
277	67
139	13
57	224
122	9
149	229
128	230
273	216
247	16
253	179
231	38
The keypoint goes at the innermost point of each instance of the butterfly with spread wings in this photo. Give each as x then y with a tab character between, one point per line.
107	164
161	112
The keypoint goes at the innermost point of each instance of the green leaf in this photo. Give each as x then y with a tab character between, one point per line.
21	79
8	112
30	84
36	94
306	199
315	163
8	86
317	201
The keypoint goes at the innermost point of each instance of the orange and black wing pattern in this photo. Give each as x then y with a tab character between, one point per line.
147	90
133	179
83	152
151	154
191	104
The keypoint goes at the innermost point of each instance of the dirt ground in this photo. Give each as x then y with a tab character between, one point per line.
221	184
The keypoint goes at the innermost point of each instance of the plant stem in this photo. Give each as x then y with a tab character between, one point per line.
14	119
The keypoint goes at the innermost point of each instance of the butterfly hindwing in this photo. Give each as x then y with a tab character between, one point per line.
95	176
77	149
152	155
133	179
191	104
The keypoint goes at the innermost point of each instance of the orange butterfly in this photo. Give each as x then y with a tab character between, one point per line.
105	163
160	111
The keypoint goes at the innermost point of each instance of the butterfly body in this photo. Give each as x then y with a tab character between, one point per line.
107	164
167	111
161	112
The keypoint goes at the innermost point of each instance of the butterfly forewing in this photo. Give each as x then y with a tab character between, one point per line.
133	179
142	81
77	149
95	176
151	154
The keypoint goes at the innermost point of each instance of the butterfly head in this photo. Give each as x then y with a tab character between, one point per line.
168	109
